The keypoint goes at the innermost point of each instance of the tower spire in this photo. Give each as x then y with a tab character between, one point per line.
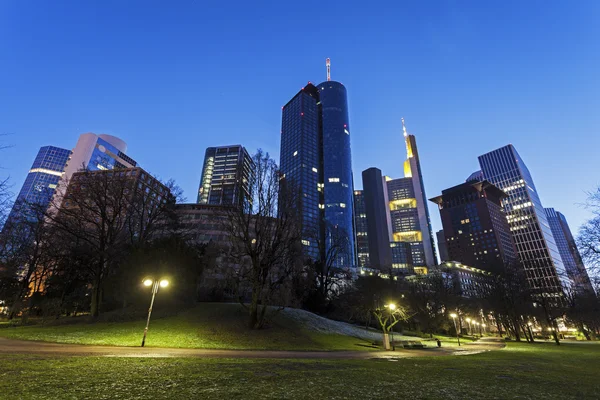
328	64
404	128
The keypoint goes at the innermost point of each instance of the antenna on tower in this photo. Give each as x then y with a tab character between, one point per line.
404	128
328	64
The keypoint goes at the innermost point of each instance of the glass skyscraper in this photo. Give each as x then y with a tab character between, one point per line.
362	238
226	176
529	226
568	251
316	161
42	180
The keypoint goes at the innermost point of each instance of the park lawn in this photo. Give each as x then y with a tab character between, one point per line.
206	326
541	371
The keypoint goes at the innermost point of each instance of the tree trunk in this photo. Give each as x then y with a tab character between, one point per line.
585	332
386	341
95	303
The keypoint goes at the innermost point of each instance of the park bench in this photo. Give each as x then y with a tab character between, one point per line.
412	344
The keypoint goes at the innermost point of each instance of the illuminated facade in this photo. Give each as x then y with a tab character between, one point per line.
316	161
529	226
226	176
401	205
362	234
476	231
568	251
42	180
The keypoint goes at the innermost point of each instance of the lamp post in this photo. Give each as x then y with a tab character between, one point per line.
155	285
453	316
469	322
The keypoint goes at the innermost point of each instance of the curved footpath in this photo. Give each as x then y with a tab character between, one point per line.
44	348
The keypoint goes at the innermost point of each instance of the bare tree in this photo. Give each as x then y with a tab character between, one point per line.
26	257
326	278
93	222
588	240
388	316
264	237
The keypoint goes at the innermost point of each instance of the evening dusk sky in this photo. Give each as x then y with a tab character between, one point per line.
172	78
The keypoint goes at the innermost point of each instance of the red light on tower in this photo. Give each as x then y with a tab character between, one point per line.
302	114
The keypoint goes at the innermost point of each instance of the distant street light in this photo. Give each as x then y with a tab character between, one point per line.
453	316
155	285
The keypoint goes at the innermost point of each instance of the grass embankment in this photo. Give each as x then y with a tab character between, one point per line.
541	371
206	326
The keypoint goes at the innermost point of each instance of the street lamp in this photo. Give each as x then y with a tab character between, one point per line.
155	285
453	316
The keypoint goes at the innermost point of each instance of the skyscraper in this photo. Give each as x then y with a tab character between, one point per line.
476	231
316	161
397	216
531	232
42	180
412	169
226	176
360	225
568	251
380	254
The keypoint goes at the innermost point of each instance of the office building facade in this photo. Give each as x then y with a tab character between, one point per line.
476	230
529	226
378	232
360	225
41	182
316	161
226	176
441	245
400	233
98	153
568	251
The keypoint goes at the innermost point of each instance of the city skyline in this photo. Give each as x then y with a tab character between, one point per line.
532	108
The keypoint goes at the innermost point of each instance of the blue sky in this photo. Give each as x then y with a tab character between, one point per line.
172	78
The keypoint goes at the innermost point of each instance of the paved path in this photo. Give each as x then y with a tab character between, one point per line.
31	347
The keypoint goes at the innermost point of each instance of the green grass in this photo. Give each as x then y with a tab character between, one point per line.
541	371
207	326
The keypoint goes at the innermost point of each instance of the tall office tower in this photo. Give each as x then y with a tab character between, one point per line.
360	225
398	218
380	254
316	161
476	230
531	232
226	176
441	245
412	170
41	182
301	163
568	251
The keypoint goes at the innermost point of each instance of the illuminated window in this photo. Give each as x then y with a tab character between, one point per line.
314	169
334	179
343	205
306	242
295	153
